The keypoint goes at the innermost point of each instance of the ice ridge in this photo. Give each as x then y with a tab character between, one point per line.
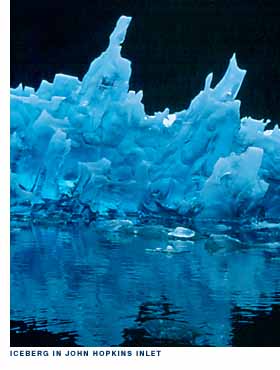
85	148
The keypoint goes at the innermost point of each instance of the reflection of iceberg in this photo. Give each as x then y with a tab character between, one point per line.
71	279
87	147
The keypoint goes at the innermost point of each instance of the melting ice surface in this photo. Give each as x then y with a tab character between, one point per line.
87	148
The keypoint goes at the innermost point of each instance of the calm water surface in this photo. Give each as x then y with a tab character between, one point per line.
101	286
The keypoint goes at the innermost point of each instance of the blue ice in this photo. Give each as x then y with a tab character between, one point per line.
85	148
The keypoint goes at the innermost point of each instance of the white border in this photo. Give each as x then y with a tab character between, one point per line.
179	358
4	179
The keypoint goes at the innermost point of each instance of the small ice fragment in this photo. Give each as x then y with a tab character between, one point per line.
216	241
114	226
265	225
169	249
182	232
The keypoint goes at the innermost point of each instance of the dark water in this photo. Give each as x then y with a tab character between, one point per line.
92	286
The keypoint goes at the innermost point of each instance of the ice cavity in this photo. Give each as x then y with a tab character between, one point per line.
87	148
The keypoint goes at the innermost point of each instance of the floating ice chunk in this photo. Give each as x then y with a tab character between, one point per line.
182	233
217	241
169	249
265	225
115	226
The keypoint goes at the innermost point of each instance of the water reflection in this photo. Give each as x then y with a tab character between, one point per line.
107	288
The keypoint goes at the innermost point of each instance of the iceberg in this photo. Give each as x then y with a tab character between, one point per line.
83	149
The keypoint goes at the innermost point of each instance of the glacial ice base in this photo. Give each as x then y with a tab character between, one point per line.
81	149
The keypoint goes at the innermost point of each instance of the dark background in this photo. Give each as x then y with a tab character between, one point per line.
173	45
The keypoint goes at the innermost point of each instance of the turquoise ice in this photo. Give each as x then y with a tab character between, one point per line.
85	148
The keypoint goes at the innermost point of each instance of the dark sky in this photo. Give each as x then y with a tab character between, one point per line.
173	45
